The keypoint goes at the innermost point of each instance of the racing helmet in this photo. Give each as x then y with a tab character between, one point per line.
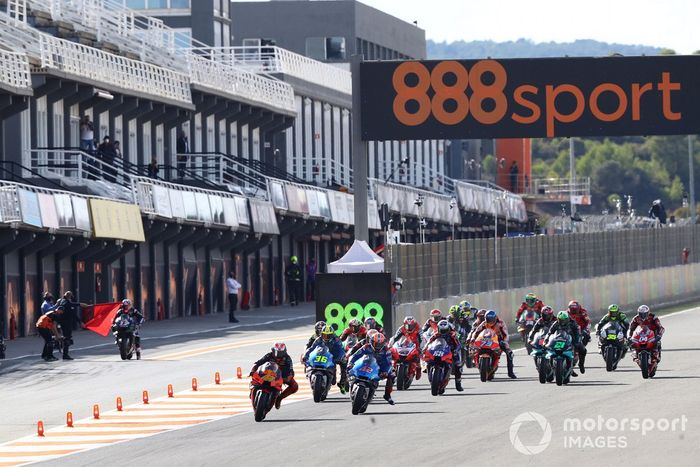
490	316
409	323
614	311
318	327
435	314
327	332
547	313
574	306
377	341
354	324
643	312
530	299
455	311
279	350
126	303
371	323
563	317
443	326
481	314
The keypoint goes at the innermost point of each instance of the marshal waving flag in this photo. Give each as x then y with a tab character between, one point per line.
102	317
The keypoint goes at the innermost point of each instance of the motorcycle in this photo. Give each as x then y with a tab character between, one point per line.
438	357
539	353
265	387
487	353
462	334
123	330
525	324
320	371
406	358
643	342
560	353
350	342
612	344
364	379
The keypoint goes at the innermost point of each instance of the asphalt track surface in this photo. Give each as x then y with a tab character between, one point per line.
477	426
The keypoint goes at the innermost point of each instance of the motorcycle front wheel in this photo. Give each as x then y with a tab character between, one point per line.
559	372
610	358
124	348
436	382
484	368
644	364
318	383
262	400
401	377
359	399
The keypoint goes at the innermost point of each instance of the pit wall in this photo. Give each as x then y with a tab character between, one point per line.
654	287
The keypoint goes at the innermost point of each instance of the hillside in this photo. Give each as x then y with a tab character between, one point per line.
527	48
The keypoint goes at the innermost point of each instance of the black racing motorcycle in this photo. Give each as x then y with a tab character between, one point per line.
124	330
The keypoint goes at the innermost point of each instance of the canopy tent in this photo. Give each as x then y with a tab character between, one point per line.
359	258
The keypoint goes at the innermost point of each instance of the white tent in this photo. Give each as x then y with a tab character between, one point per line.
359	258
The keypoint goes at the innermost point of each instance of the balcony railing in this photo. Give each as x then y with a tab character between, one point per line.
14	70
85	62
271	59
219	77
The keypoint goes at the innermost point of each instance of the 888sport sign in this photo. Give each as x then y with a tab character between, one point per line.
341	298
541	97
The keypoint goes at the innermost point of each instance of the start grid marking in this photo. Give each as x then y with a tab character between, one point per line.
187	408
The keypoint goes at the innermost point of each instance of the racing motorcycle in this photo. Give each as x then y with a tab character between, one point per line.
487	353
350	342
320	370
123	330
560	352
406	359
265	387
643	342
525	324
438	357
612	344
364	379
539	353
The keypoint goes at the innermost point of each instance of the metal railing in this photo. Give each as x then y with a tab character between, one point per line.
461	267
225	170
272	59
211	74
89	63
154	42
14	70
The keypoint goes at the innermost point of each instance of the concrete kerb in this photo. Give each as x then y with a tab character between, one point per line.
660	287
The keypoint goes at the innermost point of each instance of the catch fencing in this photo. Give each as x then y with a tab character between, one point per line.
461	267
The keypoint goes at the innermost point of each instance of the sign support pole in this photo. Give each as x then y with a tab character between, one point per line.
359	154
691	180
572	182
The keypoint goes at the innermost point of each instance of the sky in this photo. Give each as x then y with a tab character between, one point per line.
659	23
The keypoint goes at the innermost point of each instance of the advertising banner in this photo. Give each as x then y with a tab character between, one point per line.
116	220
82	213
49	217
343	297
29	207
534	97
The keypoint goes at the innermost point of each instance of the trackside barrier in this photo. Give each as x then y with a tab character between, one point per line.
462	267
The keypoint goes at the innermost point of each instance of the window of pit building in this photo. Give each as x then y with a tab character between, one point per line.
326	48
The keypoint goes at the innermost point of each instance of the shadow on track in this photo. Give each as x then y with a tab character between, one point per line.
403	413
676	377
476	394
286	420
597	383
682	350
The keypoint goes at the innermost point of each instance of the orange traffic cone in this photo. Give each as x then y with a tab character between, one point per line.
69	419
170	390
217	378
145	397
40	428
96	412
194	384
239	372
119	404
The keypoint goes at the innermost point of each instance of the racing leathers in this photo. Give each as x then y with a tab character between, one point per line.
654	324
286	368
386	368
524	306
455	347
360	334
540	324
573	330
581	318
500	328
137	318
335	346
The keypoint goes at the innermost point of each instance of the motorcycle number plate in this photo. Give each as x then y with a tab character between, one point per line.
438	353
612	337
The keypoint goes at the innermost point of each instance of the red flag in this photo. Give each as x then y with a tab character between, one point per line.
103	315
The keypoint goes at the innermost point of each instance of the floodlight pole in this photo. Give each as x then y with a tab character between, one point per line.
359	154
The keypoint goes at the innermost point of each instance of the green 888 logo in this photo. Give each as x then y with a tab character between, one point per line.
339	316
